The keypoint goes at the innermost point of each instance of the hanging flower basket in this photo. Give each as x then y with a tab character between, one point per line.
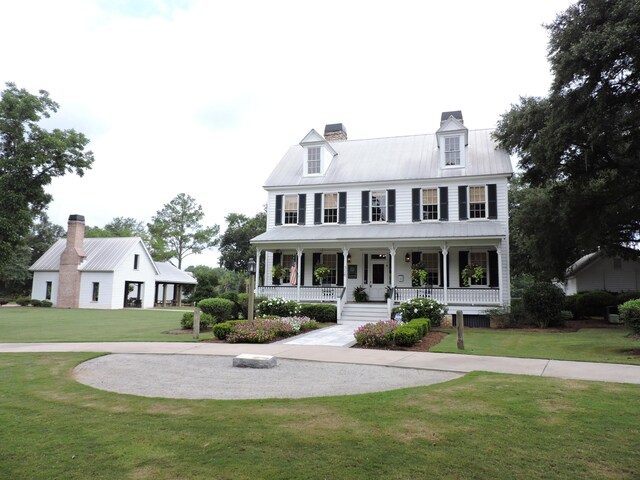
321	272
472	272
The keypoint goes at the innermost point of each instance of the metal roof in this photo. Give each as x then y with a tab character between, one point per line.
396	232
172	274
393	158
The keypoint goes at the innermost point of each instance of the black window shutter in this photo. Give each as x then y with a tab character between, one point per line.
340	270
493	269
342	207
415	205
302	208
317	208
301	270
493	200
462	202
365	259
444	203
316	261
365	206
278	209
441	275
391	206
463	257
277	258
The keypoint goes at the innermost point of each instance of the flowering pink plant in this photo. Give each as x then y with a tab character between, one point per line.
379	334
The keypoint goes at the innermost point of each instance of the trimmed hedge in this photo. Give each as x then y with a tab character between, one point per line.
406	335
23	301
594	303
222	330
206	320
423	324
219	308
630	314
624	297
320	312
35	302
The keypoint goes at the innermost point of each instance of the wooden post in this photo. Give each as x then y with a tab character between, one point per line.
251	298
460	328
196	322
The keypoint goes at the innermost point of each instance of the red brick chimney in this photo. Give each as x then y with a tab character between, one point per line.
71	258
335	131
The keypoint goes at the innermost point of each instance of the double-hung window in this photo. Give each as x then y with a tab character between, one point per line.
313	160
431	262
379	206
290	209
330	208
331	261
430	204
477	202
452	150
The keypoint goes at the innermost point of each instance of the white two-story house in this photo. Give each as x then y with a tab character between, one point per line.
371	210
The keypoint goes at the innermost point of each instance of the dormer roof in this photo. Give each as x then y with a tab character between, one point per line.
313	138
452	125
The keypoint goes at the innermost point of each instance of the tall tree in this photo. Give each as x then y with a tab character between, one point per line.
30	157
176	231
235	249
120	227
580	146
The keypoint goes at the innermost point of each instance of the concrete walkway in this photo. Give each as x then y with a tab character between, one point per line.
605	372
340	335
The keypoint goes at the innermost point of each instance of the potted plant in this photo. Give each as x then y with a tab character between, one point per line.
360	294
418	274
321	272
472	272
278	272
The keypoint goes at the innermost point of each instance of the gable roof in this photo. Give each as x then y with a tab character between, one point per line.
411	157
590	258
102	254
172	274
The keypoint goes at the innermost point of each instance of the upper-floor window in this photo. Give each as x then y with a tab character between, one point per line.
430	204
313	160
330	208
379	206
136	261
477	202
290	209
452	150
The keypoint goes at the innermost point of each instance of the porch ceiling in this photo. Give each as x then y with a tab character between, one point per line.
381	234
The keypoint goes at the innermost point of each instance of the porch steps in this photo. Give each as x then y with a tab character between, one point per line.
364	312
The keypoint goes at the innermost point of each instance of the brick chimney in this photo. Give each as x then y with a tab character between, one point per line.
72	256
335	132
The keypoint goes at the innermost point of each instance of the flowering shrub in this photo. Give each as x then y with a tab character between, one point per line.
422	308
263	330
278	306
379	334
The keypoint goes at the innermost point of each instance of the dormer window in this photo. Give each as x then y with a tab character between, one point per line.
314	160
452	151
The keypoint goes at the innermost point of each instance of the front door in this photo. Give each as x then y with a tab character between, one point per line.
378	278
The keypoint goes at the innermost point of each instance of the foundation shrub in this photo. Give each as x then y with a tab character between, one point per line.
544	302
378	334
278	306
624	297
3	301
421	308
422	324
220	309
23	301
630	315
406	335
35	302
222	330
320	312
206	321
46	304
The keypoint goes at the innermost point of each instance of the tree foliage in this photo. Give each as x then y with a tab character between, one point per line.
120	227
30	157
235	249
579	147
176	231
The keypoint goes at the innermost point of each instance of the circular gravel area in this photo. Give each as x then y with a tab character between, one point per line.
214	377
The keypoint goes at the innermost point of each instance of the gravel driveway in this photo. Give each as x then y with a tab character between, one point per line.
214	377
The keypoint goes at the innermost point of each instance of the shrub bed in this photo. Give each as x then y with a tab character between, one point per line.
379	334
421	308
222	330
220	309
320	312
264	330
278	306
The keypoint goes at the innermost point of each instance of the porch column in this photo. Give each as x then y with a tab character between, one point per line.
499	250
164	294
299	251
392	252
445	272
257	282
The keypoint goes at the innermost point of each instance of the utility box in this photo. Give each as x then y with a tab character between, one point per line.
613	315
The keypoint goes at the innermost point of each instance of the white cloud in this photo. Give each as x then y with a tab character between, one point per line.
204	97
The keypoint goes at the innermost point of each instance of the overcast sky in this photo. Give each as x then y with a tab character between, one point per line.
204	97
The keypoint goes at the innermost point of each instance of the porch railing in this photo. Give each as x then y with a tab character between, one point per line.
307	294
457	296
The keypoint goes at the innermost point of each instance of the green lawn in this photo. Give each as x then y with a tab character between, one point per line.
610	345
28	324
482	426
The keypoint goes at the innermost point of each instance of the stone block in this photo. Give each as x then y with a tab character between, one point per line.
247	360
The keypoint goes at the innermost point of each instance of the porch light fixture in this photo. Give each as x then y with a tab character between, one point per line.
407	257
251	265
348	258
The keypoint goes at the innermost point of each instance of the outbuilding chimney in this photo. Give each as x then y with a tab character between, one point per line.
335	132
72	256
